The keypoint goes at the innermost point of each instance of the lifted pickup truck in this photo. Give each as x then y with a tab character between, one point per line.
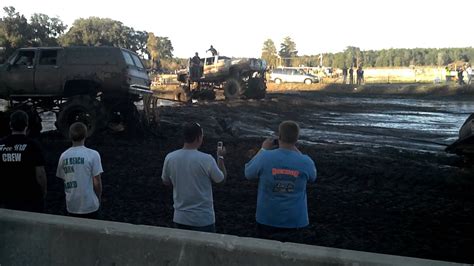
237	77
90	84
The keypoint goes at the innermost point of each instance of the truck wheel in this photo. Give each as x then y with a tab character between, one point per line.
181	94
4	124
79	109
232	89
256	89
34	123
307	82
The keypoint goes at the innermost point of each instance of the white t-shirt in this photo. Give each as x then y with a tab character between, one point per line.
191	172
77	166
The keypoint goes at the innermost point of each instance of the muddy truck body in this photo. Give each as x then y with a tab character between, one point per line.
95	85
239	78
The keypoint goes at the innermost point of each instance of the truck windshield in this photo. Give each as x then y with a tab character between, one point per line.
128	58
137	61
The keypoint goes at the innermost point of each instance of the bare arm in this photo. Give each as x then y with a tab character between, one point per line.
221	165
220	161
41	179
97	181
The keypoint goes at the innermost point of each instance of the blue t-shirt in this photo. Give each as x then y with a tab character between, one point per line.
283	174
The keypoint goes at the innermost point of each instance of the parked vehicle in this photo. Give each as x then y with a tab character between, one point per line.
279	75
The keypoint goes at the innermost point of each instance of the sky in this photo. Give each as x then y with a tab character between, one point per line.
239	28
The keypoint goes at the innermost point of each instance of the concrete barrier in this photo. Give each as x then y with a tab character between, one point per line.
41	239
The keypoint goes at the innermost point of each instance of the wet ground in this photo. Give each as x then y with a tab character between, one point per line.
384	182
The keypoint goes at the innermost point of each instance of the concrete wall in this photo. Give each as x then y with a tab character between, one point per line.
40	239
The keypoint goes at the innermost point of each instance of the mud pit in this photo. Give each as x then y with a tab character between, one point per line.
384	182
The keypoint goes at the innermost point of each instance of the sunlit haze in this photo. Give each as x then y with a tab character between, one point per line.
239	28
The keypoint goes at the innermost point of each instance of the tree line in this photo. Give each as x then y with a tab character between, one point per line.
354	56
16	31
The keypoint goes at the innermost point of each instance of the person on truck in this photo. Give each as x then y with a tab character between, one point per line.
195	67
212	50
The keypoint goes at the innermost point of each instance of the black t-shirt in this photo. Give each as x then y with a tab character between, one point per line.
19	155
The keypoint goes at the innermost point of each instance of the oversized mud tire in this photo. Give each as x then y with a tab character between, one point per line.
83	109
205	94
232	89
256	89
182	94
34	123
4	124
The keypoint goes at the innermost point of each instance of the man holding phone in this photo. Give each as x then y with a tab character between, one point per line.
191	174
283	172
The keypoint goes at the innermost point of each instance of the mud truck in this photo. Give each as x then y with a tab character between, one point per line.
239	78
95	85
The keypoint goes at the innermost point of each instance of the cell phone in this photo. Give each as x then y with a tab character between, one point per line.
276	143
220	144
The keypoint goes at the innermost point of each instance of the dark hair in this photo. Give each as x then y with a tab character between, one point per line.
289	132
18	120
191	132
77	131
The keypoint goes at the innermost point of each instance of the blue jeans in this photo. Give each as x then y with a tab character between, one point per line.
208	228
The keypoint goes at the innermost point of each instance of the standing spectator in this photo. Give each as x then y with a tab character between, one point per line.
212	50
282	210
191	173
351	76
359	75
81	170
23	182
344	75
362	80
460	76
469	74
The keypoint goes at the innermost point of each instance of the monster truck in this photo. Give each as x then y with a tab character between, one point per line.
95	85
239	78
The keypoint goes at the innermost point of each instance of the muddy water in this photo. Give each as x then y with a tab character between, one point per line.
403	123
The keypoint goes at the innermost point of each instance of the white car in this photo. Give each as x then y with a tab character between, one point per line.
279	75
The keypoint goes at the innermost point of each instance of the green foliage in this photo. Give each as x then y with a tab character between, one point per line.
160	50
14	30
46	30
269	53
94	31
288	50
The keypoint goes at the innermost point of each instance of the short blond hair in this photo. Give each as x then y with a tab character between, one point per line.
289	132
78	131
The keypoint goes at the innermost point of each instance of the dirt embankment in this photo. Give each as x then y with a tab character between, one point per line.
379	190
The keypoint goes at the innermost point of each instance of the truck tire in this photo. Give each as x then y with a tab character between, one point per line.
204	94
232	89
307	82
4	124
34	121
181	93
256	88
81	108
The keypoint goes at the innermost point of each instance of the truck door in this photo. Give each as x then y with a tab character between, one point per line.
20	76
209	66
48	76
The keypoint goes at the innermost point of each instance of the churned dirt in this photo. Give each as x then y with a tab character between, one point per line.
384	182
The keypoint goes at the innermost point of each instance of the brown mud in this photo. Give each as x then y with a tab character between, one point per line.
384	182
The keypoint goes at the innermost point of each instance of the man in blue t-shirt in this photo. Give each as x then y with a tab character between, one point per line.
283	173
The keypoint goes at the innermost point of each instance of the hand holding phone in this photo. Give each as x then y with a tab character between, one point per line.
220	149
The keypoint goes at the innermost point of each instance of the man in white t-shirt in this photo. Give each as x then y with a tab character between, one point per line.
81	170
191	173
